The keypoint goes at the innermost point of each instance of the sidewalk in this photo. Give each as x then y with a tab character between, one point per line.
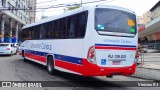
150	69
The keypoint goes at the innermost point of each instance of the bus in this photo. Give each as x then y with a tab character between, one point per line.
90	41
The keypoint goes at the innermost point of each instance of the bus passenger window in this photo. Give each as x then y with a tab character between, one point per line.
71	27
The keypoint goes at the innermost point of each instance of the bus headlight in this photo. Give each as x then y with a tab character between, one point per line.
91	55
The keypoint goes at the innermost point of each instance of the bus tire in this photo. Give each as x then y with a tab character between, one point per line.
50	65
23	55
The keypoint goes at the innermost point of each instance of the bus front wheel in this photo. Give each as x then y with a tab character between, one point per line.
23	55
50	65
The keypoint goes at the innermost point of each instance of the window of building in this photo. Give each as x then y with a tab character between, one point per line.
3	2
26	11
16	12
21	16
24	8
9	6
12	9
21	5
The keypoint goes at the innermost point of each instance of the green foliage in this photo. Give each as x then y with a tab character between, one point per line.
73	7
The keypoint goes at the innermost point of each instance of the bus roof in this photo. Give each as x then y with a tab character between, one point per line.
74	12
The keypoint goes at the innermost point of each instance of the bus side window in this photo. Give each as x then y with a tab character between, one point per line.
36	32
71	27
76	25
50	33
82	22
41	31
62	28
55	29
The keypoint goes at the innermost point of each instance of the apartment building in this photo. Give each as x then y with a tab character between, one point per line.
13	15
155	11
144	19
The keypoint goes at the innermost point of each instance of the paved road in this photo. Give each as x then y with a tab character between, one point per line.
12	68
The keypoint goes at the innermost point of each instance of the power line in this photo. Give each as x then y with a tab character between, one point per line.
9	8
64	5
55	6
43	2
107	2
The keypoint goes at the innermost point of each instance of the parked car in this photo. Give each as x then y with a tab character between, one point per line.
7	49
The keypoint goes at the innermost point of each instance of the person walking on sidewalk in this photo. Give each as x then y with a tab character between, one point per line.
138	52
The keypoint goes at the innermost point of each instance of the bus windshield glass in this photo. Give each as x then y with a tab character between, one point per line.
115	21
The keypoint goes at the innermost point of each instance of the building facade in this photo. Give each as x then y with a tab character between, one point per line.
13	15
140	21
149	34
155	11
144	19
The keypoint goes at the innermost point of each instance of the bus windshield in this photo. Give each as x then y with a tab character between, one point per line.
115	21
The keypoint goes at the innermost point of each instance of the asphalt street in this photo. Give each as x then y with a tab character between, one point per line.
12	68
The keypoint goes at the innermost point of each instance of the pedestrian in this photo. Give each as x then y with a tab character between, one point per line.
139	47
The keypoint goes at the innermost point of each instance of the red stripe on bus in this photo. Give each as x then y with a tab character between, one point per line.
36	57
70	66
114	48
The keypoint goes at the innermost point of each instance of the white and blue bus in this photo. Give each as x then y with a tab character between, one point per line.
90	41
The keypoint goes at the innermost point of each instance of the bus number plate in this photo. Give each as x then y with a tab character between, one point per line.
116	62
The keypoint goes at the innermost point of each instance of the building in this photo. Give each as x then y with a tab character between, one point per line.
13	15
149	34
140	21
144	19
155	11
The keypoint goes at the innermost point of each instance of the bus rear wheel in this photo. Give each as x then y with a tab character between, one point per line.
50	65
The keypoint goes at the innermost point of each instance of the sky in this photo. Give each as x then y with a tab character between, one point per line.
139	6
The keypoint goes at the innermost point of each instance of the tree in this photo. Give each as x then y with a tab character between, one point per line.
72	7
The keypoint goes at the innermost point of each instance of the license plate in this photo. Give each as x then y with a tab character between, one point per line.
116	62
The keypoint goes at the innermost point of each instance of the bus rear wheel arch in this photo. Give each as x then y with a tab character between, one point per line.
50	65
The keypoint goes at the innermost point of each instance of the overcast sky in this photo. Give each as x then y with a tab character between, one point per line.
139	6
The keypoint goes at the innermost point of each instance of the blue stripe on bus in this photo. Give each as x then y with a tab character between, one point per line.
68	59
36	53
115	45
58	57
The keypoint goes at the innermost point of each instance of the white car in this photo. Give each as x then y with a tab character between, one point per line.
7	49
17	46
